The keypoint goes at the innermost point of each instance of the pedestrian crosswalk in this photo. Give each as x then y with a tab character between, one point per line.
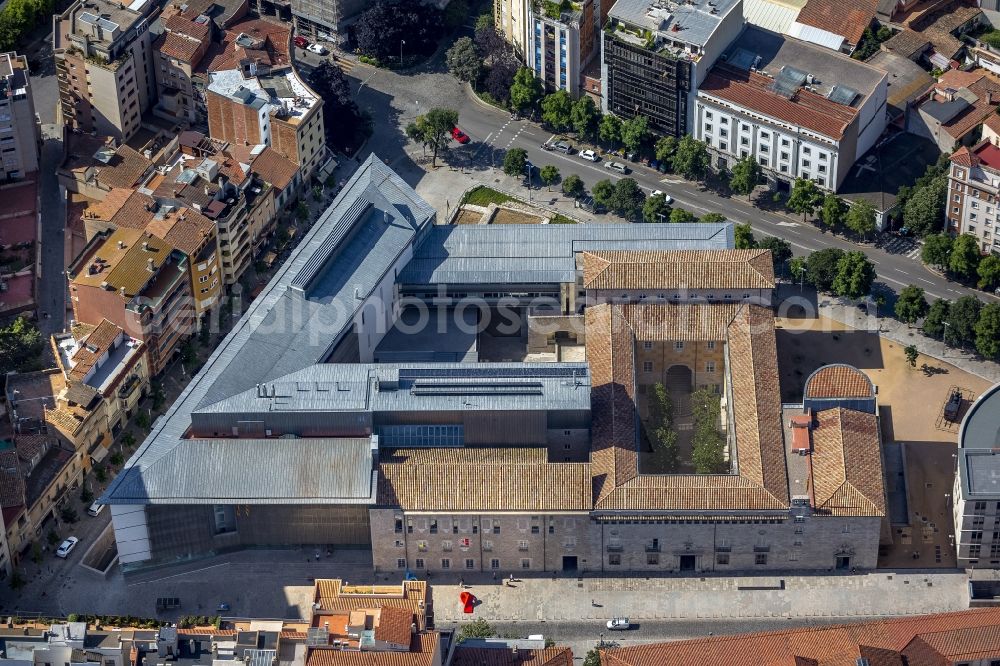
343	63
909	247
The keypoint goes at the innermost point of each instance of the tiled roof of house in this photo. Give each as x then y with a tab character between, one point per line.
751	90
331	598
925	640
184	228
31	445
113	202
274	168
11	481
479	479
125	168
126	253
612	333
963	156
228	54
176	45
907	43
423	652
394	625
495	656
847	18
846	464
987	91
692	269
838	381
92	348
185	26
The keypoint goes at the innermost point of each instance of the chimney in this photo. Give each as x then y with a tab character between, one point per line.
121	245
122	289
145	246
149	265
514	655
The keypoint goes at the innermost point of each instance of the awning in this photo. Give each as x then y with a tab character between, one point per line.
99	454
328	168
939	60
818	36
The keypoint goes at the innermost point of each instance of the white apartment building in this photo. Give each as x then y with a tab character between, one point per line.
559	47
974	195
511	20
976	494
798	109
18	125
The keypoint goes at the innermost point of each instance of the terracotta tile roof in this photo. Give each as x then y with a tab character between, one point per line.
479	479
424	651
474	656
925	640
838	381
846	464
11	481
963	156
411	595
992	122
183	228
125	254
848	18
987	90
694	269
907	43
113	202
274	168
937	25
394	625
30	446
956	78
185	26
178	46
124	170
92	348
751	91
612	333
228	54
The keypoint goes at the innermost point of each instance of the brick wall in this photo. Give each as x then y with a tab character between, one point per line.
231	121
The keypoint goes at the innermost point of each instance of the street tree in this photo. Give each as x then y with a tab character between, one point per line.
781	251
712	218
861	218
610	130
681	216
434	129
525	91
989	272
855	274
804	198
832	212
515	161
987	332
584	118
936	250
744	237
557	110
691	158
964	258
911	305
937	316
593	658
924	210
484	22
603	191
549	175
962	318
627	199
21	346
797	269
664	151
912	354
656	209
635	131
572	186
463	60
478	628
744	176
822	268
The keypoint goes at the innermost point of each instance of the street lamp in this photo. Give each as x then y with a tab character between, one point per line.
528	166
401	42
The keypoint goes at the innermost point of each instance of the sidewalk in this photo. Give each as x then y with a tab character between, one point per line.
572	599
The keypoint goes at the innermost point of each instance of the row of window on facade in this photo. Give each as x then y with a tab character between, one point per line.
614	560
568	542
433	526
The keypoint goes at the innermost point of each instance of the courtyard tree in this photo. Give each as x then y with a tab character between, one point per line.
691	158
912	354
464	61
987	332
610	130
822	267
663	436
744	176
855	274
664	151
831	214
656	209
708	445
627	199
804	198
965	257
525	91
681	216
635	131
603	191
21	346
572	186
911	305
515	161
744	237
781	251
584	117
557	110
936	250
937	316
861	218
989	272
549	175
962	319
434	129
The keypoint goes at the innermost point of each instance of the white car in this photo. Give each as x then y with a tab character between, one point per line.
666	197
66	547
617	166
318	49
589	155
618	624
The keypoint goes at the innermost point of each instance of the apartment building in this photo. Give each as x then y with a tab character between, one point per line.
255	97
95	165
656	53
976	495
799	110
974	195
326	20
105	66
561	44
951	111
19	135
833	25
510	17
177	53
140	283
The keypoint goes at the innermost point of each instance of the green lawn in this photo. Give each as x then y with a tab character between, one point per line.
484	196
559	218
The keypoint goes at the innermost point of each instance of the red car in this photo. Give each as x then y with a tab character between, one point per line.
301	41
459	135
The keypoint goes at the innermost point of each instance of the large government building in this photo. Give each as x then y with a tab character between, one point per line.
476	397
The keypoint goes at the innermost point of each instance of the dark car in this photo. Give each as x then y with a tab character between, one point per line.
459	135
301	41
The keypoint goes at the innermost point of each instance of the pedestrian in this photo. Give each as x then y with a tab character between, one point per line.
494	575
461	583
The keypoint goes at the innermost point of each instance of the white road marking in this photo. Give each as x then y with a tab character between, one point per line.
903	284
787	224
925	280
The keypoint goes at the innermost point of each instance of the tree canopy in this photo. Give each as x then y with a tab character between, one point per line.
804	198
681	216
855	274
463	60
923	212
603	190
744	237
345	124
610	130
964	258
382	29
572	186
549	174
691	158
822	268
21	346
434	129
525	91
781	251
584	117
708	445
627	199
987	332
861	218
744	176
911	305
557	110
664	151
989	272
634	132
937	315
656	209
936	250
962	318
832	212
515	161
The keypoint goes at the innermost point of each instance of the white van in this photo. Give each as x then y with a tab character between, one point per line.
95	509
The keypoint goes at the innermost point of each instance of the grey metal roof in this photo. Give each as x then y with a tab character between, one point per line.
533	254
696	20
979	442
258	471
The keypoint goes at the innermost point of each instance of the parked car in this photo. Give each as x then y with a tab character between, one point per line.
666	197
617	166
95	509
301	41
562	147
589	155
66	547
905	232
459	135
318	49
654	164
619	624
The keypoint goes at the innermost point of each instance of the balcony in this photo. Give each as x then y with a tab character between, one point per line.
129	387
